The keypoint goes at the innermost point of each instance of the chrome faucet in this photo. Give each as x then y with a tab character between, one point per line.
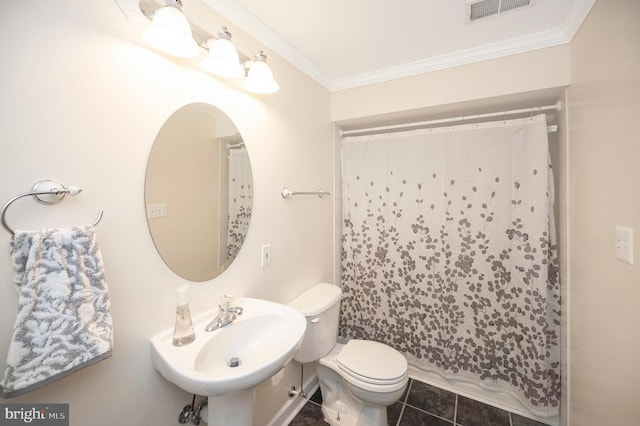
226	314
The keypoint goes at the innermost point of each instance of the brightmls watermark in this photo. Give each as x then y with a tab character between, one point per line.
34	414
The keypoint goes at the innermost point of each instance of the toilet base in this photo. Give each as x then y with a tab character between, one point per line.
340	406
337	417
341	416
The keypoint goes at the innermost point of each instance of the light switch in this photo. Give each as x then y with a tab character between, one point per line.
156	210
624	244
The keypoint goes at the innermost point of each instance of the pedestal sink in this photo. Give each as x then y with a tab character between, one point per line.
226	364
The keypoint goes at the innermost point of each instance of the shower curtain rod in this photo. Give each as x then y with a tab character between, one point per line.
381	129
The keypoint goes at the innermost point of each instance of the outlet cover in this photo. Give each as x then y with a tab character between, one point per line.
266	255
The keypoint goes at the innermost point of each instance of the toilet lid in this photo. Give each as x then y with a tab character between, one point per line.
372	362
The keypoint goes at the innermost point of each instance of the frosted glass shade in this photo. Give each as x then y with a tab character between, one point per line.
260	79
170	33
223	59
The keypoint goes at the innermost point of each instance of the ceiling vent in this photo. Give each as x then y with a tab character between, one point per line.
479	9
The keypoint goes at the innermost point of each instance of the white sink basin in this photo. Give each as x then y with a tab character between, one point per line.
263	339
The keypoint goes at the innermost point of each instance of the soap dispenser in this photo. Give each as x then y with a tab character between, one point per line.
183	333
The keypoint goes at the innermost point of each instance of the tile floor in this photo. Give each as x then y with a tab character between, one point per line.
426	405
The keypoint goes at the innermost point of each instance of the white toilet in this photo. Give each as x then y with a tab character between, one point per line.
359	379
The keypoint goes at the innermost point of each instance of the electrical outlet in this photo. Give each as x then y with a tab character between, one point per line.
156	210
266	255
624	244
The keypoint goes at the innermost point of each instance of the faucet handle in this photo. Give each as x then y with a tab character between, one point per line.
226	301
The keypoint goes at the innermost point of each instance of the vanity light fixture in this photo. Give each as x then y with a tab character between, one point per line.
223	59
259	76
170	31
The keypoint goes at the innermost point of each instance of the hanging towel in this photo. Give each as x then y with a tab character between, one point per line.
64	318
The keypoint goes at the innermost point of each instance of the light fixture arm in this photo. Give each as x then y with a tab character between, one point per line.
224	33
260	56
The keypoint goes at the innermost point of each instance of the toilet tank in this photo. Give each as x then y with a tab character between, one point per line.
321	306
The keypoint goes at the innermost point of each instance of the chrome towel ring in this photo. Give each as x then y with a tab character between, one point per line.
46	191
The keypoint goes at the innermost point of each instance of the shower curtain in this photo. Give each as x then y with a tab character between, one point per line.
240	200
449	254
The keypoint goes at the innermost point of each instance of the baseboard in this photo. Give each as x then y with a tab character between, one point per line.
292	407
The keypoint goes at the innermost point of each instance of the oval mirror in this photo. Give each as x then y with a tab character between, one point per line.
198	192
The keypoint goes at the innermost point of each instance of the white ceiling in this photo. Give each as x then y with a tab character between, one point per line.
349	43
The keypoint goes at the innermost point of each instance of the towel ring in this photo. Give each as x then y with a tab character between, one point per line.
46	191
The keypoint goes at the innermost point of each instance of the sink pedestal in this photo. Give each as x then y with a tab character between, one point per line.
231	409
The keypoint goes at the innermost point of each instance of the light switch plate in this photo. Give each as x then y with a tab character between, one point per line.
156	210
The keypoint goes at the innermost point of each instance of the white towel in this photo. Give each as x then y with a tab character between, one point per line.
64	318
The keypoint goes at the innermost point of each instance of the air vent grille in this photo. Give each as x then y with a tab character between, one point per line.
484	8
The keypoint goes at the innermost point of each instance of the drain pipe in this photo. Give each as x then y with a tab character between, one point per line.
293	392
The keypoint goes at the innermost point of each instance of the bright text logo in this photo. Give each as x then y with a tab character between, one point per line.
34	414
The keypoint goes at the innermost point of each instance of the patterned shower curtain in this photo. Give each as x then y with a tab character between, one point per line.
240	200
449	254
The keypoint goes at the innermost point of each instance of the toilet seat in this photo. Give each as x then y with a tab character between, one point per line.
373	363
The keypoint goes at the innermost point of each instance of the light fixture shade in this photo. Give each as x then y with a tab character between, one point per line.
223	59
260	78
170	33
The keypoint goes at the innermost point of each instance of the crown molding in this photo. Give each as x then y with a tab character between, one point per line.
561	35
501	49
575	17
240	16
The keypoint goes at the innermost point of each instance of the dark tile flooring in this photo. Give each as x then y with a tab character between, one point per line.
426	405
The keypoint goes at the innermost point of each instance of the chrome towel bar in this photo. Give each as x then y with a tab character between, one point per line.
286	193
